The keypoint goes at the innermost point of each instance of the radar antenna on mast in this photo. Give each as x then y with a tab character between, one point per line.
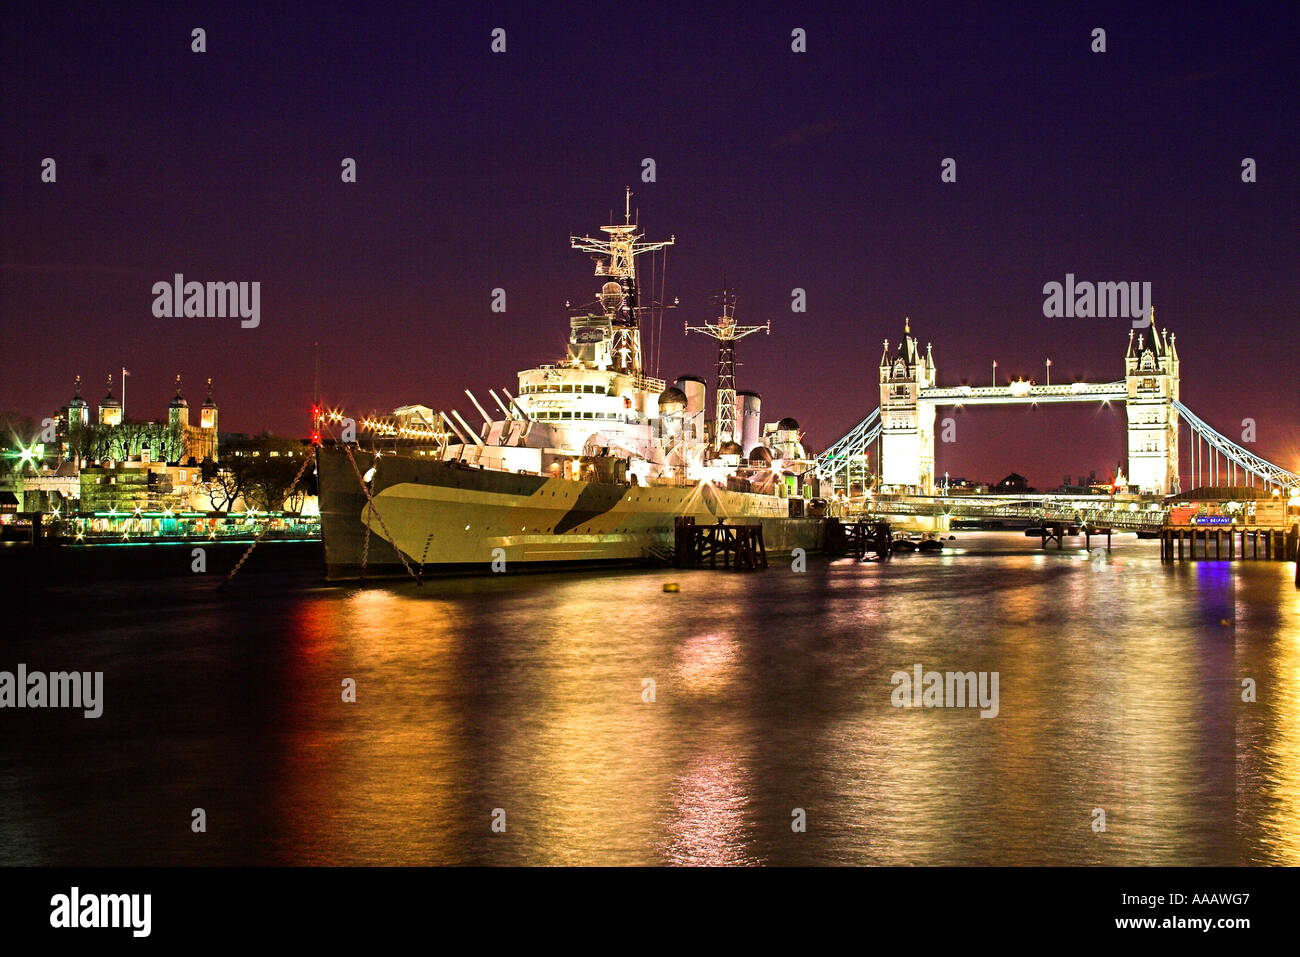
726	331
620	296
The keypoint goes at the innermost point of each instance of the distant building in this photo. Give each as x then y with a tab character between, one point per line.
149	486
177	442
963	486
198	443
1013	483
50	489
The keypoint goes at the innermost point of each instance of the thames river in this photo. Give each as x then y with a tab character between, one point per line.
749	718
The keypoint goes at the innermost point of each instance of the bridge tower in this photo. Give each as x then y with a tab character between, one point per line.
1151	380
906	421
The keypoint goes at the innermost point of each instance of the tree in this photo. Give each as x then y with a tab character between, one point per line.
81	443
264	468
223	488
268	479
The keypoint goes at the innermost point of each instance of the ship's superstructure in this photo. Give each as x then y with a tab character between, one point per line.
597	402
590	460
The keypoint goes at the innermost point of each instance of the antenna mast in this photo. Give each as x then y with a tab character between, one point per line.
620	297
726	331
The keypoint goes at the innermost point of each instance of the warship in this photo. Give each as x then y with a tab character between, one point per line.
590	461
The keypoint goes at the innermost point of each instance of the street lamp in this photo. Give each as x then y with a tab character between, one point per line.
995	373
1049	371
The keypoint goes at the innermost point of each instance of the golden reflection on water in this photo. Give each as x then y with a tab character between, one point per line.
1119	690
363	779
705	824
1280	784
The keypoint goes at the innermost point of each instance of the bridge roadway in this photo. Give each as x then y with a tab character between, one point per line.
1128	513
1021	391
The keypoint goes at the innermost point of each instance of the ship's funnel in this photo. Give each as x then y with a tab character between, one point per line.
749	407
694	389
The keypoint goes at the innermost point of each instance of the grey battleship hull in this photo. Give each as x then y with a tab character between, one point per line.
444	517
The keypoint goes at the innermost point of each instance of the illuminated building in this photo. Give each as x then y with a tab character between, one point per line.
199	442
1151	380
907	423
110	410
78	416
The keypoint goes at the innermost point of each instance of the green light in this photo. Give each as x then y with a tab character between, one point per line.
31	453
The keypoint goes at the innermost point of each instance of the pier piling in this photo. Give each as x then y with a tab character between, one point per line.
739	546
1179	543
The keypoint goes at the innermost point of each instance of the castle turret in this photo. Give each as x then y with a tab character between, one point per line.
208	411
78	410
205	443
178	410
110	409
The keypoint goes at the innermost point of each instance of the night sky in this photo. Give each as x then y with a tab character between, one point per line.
818	170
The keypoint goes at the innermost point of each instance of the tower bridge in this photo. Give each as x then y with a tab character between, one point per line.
900	431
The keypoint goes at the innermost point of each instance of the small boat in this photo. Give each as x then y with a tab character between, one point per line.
903	545
1033	531
930	545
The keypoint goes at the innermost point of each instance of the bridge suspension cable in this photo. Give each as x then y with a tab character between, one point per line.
1248	462
834	463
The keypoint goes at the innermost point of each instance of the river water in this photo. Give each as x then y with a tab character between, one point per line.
526	701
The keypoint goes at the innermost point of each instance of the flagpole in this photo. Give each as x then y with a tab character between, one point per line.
124	394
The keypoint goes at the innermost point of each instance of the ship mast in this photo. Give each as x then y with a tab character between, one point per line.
619	296
726	331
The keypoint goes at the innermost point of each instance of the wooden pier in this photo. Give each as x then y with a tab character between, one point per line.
739	546
858	538
1059	531
1230	542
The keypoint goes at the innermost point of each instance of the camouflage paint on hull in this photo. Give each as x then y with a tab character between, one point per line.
453	518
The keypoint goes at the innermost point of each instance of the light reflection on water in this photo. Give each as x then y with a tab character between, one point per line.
1120	689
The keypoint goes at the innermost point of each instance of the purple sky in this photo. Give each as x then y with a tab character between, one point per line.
816	170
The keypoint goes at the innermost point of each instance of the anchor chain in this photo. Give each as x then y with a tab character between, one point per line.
370	501
266	524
